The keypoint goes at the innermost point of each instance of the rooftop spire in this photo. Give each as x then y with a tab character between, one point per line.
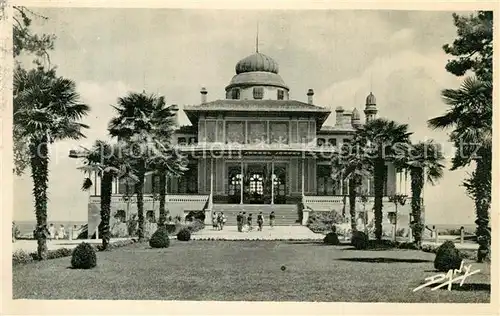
257	39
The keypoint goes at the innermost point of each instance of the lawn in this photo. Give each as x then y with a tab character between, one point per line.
247	271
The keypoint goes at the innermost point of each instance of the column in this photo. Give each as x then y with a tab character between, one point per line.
272	180
400	189
341	184
303	177
241	182
211	178
406	181
95	182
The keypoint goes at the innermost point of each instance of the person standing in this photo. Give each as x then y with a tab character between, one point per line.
214	220
222	220
244	222
62	232
239	220
271	219
52	231
249	221
260	221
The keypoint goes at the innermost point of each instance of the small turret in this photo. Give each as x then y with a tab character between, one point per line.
310	94
203	93
370	107
355	118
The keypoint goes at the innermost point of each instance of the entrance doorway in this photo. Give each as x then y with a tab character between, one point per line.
258	183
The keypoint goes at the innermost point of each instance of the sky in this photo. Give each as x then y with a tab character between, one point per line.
342	55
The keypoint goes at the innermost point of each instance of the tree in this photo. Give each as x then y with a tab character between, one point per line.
473	47
351	163
105	160
470	116
166	165
144	123
47	108
380	140
25	41
424	161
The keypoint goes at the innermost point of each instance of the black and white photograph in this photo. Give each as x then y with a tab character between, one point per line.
250	154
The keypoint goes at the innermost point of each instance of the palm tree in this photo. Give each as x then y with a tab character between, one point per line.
105	160
470	116
424	161
166	165
47	108
351	163
145	124
380	139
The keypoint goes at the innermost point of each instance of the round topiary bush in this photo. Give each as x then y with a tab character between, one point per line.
331	239
447	257
359	240
184	235
83	257
159	239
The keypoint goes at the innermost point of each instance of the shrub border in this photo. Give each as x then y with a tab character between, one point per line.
24	257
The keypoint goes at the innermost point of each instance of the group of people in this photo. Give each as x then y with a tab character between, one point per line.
245	223
59	234
218	220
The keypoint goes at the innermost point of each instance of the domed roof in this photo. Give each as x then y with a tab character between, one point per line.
355	115
257	78
370	99
257	62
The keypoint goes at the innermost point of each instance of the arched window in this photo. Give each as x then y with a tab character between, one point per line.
256	184
332	142
320	141
181	140
121	216
150	216
234	184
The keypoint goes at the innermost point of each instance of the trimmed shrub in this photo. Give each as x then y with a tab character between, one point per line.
195	215
83	257
407	245
324	222
195	226
331	239
59	253
447	257
159	239
170	228
20	257
359	240
184	235
428	248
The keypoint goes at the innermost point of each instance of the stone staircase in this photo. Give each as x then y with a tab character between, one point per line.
286	214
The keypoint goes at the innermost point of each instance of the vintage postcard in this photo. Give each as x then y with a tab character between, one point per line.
249	158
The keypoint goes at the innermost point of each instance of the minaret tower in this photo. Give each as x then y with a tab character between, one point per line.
370	108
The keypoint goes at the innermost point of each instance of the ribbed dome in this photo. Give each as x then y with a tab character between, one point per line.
370	99
257	62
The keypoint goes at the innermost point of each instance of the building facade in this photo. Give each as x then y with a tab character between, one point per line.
259	150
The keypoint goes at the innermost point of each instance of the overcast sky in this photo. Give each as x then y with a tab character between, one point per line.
342	55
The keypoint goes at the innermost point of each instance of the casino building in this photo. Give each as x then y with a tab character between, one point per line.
259	150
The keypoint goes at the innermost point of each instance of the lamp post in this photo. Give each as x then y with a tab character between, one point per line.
397	199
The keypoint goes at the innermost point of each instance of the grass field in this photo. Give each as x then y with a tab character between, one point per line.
247	271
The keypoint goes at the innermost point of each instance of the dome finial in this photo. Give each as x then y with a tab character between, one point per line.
257	39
